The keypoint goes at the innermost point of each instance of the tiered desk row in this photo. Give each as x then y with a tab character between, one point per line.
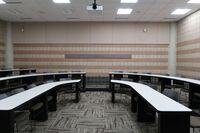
12	72
173	117
39	93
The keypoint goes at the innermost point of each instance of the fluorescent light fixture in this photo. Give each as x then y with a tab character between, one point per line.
61	1
193	1
180	11
124	11
129	1
2	2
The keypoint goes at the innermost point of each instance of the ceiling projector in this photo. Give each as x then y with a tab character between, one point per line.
95	8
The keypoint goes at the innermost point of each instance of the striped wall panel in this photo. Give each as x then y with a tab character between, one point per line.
1	55
188	58
52	57
188	47
1	46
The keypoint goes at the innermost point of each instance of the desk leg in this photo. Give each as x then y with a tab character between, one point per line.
144	111
165	82
77	93
193	104
133	102
170	122
112	85
52	106
6	121
110	77
84	82
43	116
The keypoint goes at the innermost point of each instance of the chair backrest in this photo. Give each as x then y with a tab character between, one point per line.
171	94
64	79
48	81
15	91
118	76
31	86
2	96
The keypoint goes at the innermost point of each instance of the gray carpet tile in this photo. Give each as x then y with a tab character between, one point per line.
93	114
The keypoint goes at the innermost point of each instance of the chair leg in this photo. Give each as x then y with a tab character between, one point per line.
33	126
16	127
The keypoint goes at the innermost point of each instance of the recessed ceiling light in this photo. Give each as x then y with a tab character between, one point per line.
193	1
129	1
180	11
61	1
2	2
124	11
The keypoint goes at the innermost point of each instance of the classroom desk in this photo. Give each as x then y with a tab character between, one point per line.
12	103
173	117
31	78
193	85
10	72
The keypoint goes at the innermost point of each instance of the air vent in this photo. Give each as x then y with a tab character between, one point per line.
15	11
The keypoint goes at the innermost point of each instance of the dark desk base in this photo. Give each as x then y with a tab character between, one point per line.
7	121
174	122
7	117
168	122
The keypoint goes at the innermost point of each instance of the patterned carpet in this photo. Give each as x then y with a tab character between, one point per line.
93	114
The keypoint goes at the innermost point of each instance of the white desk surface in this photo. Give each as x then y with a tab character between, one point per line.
40	74
159	101
160	76
16	100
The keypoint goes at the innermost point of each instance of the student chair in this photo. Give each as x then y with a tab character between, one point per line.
171	94
194	122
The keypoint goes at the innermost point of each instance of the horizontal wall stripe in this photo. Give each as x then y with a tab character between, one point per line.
192	69
135	60
91	52
189	42
189	60
187	64
191	55
61	56
80	48
196	50
89	45
188	74
188	47
28	56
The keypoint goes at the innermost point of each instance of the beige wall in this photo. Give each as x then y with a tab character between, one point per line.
44	45
1	44
188	47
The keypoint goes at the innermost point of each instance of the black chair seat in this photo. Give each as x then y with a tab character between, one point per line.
49	98
37	106
2	96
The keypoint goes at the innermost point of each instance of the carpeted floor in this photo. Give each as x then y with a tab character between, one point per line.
93	114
